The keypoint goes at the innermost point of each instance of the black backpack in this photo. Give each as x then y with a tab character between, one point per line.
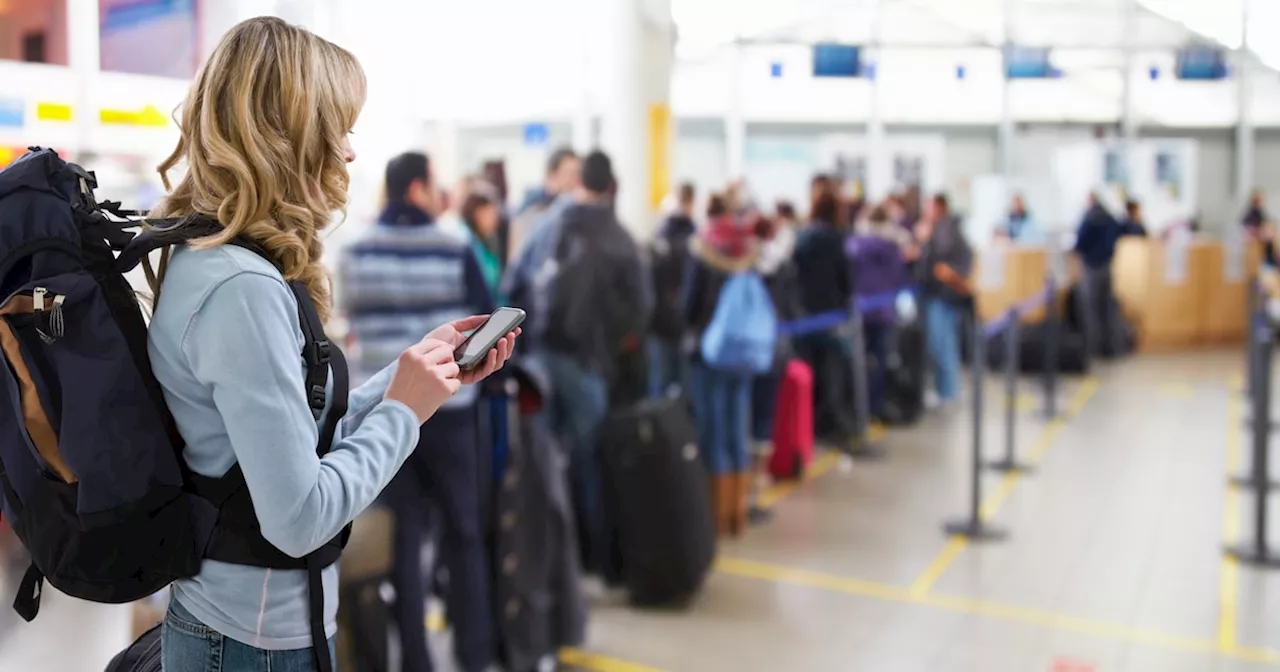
669	261
91	465
596	298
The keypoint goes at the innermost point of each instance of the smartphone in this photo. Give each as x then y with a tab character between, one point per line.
472	352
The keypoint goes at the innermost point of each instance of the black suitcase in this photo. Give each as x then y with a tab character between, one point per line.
904	379
657	502
1073	355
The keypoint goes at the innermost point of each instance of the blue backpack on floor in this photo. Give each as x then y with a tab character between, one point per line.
743	331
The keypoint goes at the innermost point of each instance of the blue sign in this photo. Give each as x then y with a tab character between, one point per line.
960	72
12	112
836	60
1154	72
775	70
536	135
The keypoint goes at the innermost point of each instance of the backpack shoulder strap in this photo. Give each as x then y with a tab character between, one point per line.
159	233
321	356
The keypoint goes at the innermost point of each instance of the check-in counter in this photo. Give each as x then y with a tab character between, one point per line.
1005	275
1185	294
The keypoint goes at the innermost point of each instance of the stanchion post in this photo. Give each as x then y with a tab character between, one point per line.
1009	463
863	448
1257	552
1251	310
1052	343
973	527
1255	373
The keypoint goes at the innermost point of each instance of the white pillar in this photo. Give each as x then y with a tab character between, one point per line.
444	152
84	59
1007	129
638	41
1129	124
735	121
879	176
1245	137
583	132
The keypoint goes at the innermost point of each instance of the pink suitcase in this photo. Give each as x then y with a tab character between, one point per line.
793	422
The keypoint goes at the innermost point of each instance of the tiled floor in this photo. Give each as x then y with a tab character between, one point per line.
1113	562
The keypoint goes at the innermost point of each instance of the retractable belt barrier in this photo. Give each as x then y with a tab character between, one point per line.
862	447
1009	324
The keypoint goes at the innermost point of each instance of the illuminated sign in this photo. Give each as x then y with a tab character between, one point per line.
147	116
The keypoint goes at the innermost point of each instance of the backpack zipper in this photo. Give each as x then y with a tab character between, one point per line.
49	324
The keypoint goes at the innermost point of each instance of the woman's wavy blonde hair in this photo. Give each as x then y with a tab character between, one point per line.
262	132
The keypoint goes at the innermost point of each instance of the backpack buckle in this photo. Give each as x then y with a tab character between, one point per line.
317	353
317	398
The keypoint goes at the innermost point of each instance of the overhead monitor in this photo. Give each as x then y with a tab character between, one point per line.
1201	63
837	60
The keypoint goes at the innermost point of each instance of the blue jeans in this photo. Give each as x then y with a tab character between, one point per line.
722	409
667	366
187	645
943	331
579	402
764	395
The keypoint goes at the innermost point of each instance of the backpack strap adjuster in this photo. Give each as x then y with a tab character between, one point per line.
317	353
317	398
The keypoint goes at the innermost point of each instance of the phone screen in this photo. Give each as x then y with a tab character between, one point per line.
473	350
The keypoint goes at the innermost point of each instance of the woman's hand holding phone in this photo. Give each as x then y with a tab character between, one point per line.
453	333
425	377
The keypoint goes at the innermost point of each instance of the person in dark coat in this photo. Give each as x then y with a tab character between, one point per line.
1096	246
669	260
825	284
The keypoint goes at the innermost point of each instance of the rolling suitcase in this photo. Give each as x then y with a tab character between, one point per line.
793	422
904	379
656	496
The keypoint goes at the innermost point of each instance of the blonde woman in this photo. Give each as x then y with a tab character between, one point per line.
264	136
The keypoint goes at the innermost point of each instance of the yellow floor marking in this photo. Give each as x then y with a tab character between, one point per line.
1229	575
598	663
1025	402
921	586
993	610
568	655
996	498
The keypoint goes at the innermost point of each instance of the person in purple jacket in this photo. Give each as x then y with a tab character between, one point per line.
878	251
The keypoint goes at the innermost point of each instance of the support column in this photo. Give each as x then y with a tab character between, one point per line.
1007	129
84	59
879	172
636	123
1245	136
735	121
1129	111
583	131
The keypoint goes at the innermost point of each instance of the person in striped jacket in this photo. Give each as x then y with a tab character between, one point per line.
400	279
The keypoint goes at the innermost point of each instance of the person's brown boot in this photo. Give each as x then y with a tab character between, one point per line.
718	490
737	502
